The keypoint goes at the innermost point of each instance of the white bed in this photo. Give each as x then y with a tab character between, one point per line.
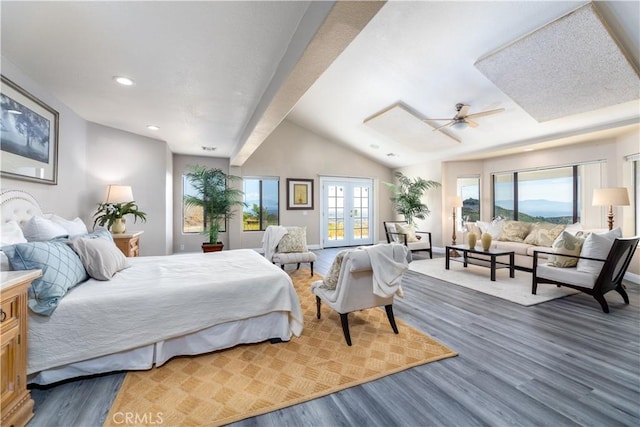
158	308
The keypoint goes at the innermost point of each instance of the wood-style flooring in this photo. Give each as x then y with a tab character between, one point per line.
560	363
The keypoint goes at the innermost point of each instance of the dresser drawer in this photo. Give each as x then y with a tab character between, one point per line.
10	313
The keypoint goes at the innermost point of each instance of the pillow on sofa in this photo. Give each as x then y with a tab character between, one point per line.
100	257
515	231
494	228
41	229
294	241
61	270
409	231
544	234
567	244
596	246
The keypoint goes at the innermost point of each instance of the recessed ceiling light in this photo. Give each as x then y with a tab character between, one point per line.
391	154
153	127
124	81
207	148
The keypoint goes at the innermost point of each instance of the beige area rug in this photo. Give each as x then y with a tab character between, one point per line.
248	380
517	289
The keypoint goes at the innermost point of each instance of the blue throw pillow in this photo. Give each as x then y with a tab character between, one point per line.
61	268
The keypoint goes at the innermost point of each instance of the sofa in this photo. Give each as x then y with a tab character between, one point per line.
523	238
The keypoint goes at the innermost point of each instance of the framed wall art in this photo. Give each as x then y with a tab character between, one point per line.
28	136
299	193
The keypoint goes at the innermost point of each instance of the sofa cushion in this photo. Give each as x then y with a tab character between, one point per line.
567	244
515	231
543	251
596	246
544	233
517	248
567	275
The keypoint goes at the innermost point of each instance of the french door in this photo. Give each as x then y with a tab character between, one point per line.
347	212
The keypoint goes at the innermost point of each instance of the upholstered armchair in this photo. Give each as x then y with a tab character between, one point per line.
404	233
350	284
593	276
287	245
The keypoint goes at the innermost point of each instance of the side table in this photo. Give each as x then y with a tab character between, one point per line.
128	242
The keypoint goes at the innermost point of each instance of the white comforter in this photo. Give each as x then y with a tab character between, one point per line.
158	298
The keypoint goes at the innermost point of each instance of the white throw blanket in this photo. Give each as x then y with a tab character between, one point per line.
271	238
388	263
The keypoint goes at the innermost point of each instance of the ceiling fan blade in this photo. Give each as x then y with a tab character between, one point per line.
445	125
433	120
485	113
471	123
463	111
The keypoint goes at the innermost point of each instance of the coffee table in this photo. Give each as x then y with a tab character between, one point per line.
469	256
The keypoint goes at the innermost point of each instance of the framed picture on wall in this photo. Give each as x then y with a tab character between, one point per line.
299	193
28	136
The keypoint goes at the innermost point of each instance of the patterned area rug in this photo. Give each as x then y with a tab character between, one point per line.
516	289
248	380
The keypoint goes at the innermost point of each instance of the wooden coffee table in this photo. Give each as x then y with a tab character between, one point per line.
469	256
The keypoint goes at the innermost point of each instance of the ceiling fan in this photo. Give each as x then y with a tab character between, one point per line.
462	119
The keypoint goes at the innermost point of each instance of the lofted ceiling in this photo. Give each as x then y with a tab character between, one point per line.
224	74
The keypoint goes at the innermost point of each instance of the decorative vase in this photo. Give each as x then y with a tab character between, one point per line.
118	226
472	240
486	241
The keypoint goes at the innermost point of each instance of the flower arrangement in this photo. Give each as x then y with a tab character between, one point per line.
108	212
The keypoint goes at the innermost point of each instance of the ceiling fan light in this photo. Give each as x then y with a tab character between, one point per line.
460	125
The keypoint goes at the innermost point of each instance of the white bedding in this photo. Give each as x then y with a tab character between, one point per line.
158	298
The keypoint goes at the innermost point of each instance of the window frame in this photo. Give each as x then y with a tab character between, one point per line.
260	180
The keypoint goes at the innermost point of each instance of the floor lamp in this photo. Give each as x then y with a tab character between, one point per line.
615	196
456	203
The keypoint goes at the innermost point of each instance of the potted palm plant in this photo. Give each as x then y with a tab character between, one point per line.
217	199
407	196
112	215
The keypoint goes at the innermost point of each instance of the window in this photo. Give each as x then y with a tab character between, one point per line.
559	195
469	191
193	216
262	197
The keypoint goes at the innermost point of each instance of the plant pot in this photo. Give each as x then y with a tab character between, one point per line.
118	226
212	247
486	241
472	238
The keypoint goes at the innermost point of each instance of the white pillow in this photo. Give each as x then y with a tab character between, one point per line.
11	233
74	227
596	246
100	257
40	229
494	227
573	228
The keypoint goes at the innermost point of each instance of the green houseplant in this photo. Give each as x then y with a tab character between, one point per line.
112	215
407	196
217	199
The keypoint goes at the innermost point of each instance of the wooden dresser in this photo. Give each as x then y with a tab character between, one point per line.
16	402
128	242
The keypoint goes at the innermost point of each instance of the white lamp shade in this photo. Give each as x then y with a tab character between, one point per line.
615	196
456	202
119	194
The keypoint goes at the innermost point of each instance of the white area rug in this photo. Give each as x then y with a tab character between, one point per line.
478	278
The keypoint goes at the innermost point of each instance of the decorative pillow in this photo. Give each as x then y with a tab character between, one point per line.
11	233
494	228
515	231
567	244
74	227
409	231
61	270
4	262
99	232
330	281
41	229
100	257
294	241
573	228
596	246
544	233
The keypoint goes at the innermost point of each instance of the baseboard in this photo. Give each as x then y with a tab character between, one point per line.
632	277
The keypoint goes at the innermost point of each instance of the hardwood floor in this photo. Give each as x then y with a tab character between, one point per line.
564	362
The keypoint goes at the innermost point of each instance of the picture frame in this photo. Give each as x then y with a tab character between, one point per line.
299	194
28	136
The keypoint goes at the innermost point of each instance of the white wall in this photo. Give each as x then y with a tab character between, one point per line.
70	197
294	152
119	157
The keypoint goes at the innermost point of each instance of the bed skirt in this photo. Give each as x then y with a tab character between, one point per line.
256	329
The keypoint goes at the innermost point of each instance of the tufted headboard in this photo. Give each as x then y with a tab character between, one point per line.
18	205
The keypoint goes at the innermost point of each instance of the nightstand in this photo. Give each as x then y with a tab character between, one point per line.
17	405
128	242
